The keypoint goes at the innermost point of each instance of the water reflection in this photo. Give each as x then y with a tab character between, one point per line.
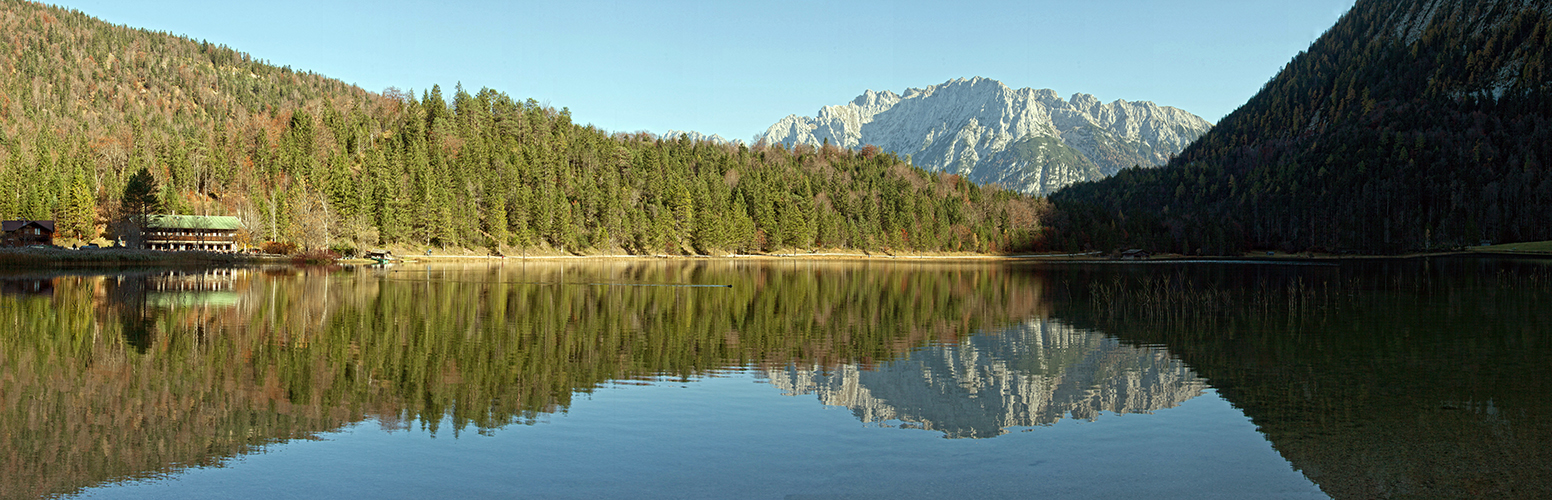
145	373
99	382
39	286
1393	379
210	288
140	299
1415	378
1035	373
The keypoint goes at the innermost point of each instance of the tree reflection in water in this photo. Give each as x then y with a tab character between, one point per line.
1412	378
136	375
1417	378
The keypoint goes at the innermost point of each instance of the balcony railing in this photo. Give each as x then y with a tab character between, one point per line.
204	238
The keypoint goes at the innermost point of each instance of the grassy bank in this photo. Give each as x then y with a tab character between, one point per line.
110	257
54	256
1531	248
419	254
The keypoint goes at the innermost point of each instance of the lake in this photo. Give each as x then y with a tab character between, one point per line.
1420	378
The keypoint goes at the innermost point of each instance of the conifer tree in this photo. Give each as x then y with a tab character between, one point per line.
10	203
141	195
496	212
741	228
342	191
80	215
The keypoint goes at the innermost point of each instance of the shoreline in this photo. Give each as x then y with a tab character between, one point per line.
115	257
1066	258
831	256
119	258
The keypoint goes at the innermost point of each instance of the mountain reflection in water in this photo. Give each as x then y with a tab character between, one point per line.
1031	374
142	374
1421	378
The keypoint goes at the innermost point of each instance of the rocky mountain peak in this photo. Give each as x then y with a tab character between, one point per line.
1024	139
1084	102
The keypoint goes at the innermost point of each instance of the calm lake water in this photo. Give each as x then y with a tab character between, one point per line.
781	379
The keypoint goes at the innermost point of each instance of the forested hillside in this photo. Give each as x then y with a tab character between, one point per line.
1410	125
304	159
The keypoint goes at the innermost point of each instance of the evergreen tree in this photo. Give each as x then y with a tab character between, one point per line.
10	181
341	188
141	195
496	213
80	214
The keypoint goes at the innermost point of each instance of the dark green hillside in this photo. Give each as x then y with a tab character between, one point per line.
311	161
1395	132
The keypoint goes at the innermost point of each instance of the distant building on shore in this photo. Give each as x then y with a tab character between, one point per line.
20	233
206	233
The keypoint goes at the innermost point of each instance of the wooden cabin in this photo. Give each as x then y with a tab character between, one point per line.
202	233
21	233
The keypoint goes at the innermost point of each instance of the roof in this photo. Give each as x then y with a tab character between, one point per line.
12	225
224	222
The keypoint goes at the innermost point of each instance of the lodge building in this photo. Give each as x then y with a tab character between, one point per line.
20	233
206	233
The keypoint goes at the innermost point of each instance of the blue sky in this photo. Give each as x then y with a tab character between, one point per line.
734	68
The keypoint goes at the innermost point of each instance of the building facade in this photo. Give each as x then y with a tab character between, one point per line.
204	233
20	233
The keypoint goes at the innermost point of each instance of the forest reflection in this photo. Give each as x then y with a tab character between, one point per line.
1417	378
1414	378
142	373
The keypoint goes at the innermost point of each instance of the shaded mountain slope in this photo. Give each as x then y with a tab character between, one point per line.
1409	125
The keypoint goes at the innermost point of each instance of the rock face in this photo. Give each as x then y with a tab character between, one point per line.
1032	374
697	137
1408	21
1026	139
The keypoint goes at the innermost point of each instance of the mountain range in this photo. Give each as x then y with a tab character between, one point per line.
1023	139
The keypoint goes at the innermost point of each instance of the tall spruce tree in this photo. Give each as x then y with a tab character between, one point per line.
80	214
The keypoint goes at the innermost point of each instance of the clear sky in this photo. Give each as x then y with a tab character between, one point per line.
734	68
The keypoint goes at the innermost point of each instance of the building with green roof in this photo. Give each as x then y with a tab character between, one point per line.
208	233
